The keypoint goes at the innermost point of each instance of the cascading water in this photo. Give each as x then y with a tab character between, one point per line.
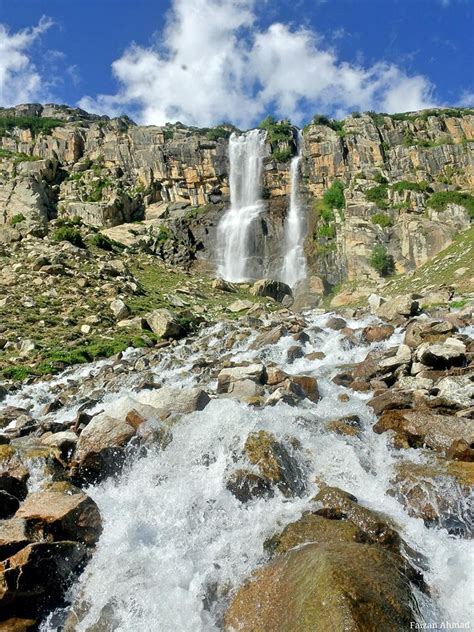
294	264
175	539
237	256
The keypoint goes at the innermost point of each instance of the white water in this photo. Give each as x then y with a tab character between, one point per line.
294	264
172	531
237	260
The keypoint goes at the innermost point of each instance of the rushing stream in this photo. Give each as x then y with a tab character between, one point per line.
175	540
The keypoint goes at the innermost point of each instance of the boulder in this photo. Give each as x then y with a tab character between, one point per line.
13	536
458	389
423	428
119	309
391	400
8	504
62	512
293	353
269	337
377	333
23	589
239	306
398	308
100	450
350	426
228	377
273	289
275	462
452	352
246	485
336	323
321	587
309	385
15	624
165	324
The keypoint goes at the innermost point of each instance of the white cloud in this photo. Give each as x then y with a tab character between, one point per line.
467	99
214	63
20	80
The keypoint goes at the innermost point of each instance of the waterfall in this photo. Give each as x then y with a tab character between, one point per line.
235	235
294	264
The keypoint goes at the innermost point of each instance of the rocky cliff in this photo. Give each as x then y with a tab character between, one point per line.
166	187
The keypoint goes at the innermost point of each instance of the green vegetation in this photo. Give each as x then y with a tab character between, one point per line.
458	304
280	137
164	234
381	219
425	114
337	126
105	243
96	193
405	185
282	155
215	133
327	230
17	157
36	124
67	233
334	196
440	200
380	179
17	219
378	195
381	261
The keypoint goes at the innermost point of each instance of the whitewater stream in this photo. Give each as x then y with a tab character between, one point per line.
176	541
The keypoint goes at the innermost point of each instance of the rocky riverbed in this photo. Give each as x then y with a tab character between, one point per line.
223	481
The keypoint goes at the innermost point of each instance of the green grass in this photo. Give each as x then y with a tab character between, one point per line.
17	219
406	185
440	200
105	243
67	233
381	219
17	157
37	125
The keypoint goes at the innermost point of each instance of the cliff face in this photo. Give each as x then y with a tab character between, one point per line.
112	172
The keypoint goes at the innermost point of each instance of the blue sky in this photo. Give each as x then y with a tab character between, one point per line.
206	61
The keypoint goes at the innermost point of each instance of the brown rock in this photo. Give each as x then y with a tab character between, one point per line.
246	485
377	333
391	400
309	385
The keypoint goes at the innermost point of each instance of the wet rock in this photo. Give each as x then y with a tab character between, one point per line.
419	331
293	353
11	413
349	425
314	528
336	323
13	536
164	323
423	428
321	587
461	450
269	337
273	289
228	377
225	286
289	392
62	512
315	355
309	385
65	443
15	624
338	504
8	504
275	462
24	591
246	485
391	400
377	333
275	375
13	474
100	450
167	401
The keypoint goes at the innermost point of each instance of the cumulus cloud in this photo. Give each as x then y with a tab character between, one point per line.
214	63
20	80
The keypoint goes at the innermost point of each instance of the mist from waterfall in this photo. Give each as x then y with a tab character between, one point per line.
236	250
294	264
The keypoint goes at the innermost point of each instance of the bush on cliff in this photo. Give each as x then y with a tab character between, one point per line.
440	200
382	261
334	196
72	235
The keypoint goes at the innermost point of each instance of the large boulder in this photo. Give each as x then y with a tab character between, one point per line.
451	352
398	308
278	291
229	377
321	587
62	512
165	324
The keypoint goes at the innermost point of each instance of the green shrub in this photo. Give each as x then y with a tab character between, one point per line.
378	195
164	234
380	179
377	117
381	261
327	230
381	219
67	233
215	133
334	196
105	243
440	200
17	219
277	132
356	114
282	155
405	185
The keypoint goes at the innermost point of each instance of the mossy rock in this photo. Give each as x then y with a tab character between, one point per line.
321	587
